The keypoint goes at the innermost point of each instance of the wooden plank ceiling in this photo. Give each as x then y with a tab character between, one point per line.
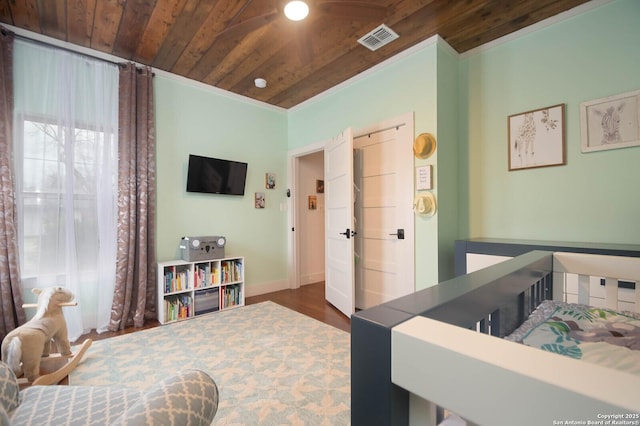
227	44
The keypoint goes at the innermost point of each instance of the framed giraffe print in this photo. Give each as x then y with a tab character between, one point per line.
611	122
536	138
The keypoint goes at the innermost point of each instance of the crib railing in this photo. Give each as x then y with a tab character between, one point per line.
581	275
499	298
492	381
496	300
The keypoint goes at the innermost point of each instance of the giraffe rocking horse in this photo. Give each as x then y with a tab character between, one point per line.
24	348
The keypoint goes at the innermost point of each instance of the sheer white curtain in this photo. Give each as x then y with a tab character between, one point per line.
66	127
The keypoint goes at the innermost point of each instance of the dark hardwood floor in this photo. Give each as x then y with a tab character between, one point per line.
308	300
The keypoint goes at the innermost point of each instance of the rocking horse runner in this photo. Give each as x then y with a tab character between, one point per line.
25	347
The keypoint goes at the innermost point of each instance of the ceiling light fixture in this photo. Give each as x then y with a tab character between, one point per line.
260	83
296	10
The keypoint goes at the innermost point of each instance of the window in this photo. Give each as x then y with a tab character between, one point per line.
65	162
60	168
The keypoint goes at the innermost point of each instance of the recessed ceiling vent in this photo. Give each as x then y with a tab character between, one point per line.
377	38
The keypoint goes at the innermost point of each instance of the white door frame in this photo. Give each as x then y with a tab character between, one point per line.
293	159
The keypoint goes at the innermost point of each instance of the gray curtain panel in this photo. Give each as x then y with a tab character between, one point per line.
134	294
11	312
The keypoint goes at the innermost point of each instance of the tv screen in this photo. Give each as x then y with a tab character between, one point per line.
216	176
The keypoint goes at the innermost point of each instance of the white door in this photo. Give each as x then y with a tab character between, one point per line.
384	245
339	220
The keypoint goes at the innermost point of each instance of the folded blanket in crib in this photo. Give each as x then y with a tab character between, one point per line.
601	336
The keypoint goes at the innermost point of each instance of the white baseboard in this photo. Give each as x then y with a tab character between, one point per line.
312	278
265	287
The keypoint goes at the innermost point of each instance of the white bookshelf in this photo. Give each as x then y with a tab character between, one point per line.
187	289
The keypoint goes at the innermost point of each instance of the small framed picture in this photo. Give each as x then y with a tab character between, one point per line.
313	202
259	200
423	178
270	180
320	186
536	138
611	122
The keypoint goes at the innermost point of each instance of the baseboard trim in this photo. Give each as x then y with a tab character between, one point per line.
312	278
265	287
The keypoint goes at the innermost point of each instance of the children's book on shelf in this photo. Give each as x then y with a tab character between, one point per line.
176	279
178	307
231	296
231	271
186	289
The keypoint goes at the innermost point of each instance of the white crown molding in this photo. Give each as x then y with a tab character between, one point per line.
578	10
593	4
442	42
364	74
63	44
218	91
164	74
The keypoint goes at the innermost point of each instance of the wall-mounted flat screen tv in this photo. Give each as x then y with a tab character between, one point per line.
216	176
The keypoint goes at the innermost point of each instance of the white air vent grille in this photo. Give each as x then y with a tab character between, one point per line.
377	38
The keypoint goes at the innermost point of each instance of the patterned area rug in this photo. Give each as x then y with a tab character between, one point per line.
273	366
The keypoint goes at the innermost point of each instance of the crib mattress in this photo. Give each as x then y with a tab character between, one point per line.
601	336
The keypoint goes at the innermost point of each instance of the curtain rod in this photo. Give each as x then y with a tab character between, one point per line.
6	31
397	127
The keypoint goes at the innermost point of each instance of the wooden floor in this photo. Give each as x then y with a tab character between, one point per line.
308	300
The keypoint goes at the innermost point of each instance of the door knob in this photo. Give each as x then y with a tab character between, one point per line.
399	234
347	233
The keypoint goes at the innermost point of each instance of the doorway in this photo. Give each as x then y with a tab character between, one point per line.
383	249
310	224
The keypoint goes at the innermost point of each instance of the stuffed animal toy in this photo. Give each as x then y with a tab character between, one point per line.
32	340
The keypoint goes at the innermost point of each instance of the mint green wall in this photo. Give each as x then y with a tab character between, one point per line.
465	102
192	120
406	85
447	160
595	196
